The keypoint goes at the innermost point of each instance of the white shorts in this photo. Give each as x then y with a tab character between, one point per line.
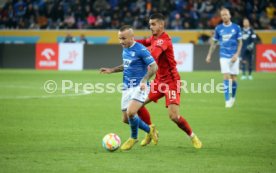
229	67
133	94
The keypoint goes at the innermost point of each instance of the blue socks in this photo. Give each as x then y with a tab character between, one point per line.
234	88
136	122
226	90
143	125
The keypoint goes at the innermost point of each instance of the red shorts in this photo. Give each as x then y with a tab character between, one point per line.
171	91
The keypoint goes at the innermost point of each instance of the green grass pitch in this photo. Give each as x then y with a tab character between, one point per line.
42	132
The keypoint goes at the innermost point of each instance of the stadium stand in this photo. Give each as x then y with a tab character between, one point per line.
111	14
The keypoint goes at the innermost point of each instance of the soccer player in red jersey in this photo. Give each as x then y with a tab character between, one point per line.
167	79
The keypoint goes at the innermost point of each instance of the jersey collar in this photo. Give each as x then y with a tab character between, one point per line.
159	35
132	44
228	24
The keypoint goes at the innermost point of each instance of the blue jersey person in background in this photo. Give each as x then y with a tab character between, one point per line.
138	67
229	37
249	39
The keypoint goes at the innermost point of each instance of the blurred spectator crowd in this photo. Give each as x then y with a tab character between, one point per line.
111	14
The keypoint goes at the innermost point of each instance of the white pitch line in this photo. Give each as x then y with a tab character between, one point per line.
42	96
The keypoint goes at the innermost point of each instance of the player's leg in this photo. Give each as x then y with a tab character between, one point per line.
135	122
234	70
250	63
153	95
132	140
225	70
172	96
126	97
124	118
144	114
243	67
174	115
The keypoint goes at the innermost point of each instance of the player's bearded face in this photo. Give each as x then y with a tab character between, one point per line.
156	26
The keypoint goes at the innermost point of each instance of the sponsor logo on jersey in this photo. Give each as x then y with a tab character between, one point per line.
159	42
126	63
226	37
132	53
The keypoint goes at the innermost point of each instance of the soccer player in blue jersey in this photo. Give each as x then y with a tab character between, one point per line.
138	67
248	42
229	37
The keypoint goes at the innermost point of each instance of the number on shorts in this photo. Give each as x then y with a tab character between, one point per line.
172	94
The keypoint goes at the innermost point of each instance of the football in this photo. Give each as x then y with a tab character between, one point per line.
111	142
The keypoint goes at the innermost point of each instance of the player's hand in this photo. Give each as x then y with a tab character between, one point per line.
234	58
106	70
208	59
143	86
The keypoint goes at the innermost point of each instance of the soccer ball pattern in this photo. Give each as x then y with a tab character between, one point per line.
111	142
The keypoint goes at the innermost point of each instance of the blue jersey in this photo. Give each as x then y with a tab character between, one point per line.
228	36
136	60
248	40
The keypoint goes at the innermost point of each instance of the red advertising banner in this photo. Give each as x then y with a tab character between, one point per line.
47	56
266	57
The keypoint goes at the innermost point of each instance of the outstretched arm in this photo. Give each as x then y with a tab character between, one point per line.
211	50
145	42
116	69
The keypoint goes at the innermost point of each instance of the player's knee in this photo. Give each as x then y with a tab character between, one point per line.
125	120
226	76
173	115
130	113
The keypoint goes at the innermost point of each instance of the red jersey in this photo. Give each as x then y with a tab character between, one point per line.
162	51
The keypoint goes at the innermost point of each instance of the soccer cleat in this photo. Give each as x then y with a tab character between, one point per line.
196	142
250	77
228	104
243	77
146	140
153	134
129	144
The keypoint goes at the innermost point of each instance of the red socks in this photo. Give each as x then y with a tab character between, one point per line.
143	113
184	125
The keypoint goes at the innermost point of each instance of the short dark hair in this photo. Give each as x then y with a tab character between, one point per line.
157	16
125	27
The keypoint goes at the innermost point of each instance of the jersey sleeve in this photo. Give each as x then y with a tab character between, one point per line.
145	42
146	56
216	34
239	33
